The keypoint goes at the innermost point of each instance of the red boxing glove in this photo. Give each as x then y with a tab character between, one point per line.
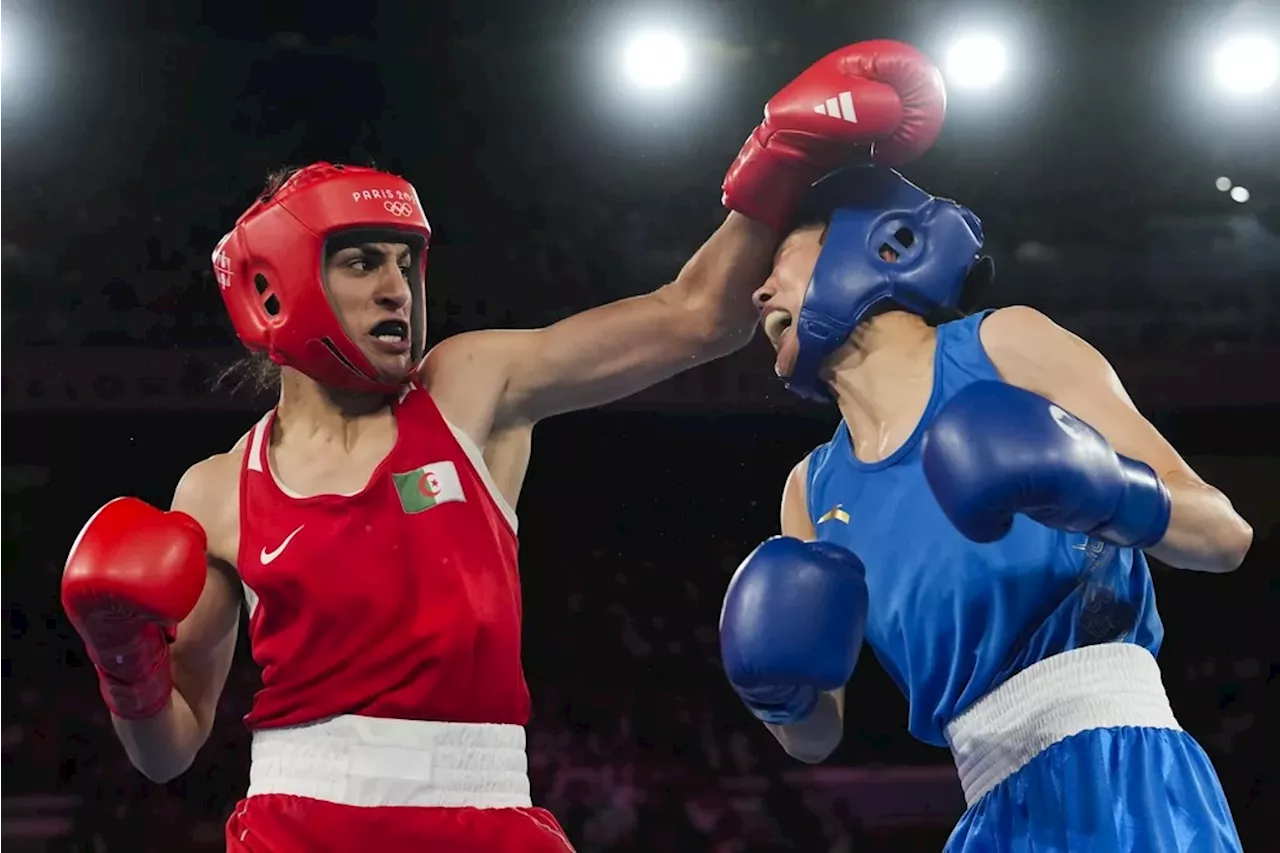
133	574
883	94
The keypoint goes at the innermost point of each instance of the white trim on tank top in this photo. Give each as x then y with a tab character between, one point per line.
257	453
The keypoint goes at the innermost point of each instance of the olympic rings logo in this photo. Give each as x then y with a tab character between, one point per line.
398	208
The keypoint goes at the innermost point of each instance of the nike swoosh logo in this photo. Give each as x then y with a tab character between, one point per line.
269	556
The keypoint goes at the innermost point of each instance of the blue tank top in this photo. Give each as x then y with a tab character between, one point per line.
950	619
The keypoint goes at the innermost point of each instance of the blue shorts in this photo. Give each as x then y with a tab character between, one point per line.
1127	790
1081	753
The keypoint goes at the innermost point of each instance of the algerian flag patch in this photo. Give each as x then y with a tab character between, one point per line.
425	487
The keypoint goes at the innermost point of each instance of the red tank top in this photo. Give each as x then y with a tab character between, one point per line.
402	600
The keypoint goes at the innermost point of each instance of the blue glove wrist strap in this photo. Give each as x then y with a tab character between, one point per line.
794	708
1141	517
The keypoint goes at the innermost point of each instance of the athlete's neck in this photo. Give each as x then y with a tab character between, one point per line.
315	411
882	379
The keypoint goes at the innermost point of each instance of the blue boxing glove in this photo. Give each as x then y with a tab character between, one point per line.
995	450
792	625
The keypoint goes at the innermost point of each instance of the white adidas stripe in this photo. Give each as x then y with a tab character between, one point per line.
841	106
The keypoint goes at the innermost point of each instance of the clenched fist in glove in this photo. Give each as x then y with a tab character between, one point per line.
881	94
133	574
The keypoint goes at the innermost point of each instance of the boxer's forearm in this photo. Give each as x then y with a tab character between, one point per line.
162	746
815	737
717	282
1205	533
615	350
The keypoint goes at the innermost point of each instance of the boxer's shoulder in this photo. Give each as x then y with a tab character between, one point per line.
799	474
1015	328
1031	351
795	503
470	378
209	492
469	351
467	373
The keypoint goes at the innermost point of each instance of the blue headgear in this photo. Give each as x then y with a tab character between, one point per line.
873	208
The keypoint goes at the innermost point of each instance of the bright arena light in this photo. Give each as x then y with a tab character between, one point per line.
1223	184
976	61
1239	195
656	59
1246	64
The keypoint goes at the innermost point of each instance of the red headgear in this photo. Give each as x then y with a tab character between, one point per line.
269	269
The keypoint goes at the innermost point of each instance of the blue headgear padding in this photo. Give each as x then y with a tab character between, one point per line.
936	242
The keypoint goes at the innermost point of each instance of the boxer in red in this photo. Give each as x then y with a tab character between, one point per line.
367	521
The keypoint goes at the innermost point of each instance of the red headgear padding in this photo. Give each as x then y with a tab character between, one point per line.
270	267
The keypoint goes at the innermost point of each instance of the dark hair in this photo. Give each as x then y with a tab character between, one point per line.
276	179
254	373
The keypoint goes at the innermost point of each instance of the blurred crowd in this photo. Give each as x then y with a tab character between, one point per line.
1170	283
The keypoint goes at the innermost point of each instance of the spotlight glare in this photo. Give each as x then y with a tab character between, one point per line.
976	61
655	60
1246	64
1223	184
1239	195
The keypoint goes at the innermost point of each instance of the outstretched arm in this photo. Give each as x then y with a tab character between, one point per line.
1032	352
615	350
618	349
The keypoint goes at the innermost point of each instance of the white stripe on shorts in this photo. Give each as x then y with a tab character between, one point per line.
1096	687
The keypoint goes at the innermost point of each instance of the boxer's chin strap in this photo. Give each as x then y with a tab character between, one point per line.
818	337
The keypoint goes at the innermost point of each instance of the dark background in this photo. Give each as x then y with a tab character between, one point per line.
133	133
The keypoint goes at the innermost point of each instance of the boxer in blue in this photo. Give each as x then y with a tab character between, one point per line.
980	517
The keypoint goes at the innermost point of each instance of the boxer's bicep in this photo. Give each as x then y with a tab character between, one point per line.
615	350
795	504
500	378
607	353
1031	351
206	638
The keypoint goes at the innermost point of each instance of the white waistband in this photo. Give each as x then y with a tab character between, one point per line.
369	761
1096	687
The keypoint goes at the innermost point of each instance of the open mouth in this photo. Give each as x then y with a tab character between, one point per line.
393	334
776	324
391	330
